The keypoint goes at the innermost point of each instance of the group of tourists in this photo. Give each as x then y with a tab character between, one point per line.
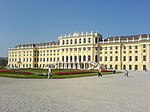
114	71
99	72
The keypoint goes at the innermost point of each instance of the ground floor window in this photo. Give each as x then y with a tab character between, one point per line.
116	66
130	67
124	67
136	67
110	66
144	67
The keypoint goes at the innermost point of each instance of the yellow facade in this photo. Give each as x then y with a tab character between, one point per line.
84	51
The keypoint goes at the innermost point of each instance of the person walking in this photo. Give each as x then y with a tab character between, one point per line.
100	72
126	73
49	72
114	70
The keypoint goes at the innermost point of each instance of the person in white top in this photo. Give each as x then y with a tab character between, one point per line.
49	72
100	72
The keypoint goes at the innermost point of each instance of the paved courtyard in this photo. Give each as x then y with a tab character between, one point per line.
112	93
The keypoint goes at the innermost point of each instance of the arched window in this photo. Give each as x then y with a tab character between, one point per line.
89	40
75	58
84	40
71	41
79	58
70	58
89	58
66	58
84	58
63	58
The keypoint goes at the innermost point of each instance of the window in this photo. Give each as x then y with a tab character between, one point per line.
75	58
116	47
130	67
116	66
96	59
84	58
84	48
136	51
71	41
79	49
130	47
110	66
124	67
89	48
75	49
116	58
80	58
75	41
89	58
144	67
89	40
130	58
144	51
70	49
110	58
105	58
84	40
95	39
67	42
136	47
63	58
144	45
105	48
70	58
136	58
110	48
79	41
50	59
136	67
101	58
124	47
116	51
66	58
124	58
144	58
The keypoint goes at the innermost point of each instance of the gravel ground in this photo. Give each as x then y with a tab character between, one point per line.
111	93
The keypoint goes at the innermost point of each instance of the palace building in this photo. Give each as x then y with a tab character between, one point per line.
84	51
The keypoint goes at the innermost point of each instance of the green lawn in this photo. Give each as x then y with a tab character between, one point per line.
38	74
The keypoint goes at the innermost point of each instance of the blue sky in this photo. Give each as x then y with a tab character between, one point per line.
35	21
